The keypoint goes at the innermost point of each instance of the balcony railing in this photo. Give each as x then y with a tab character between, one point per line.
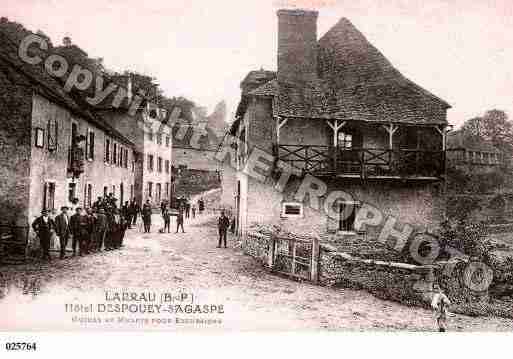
364	162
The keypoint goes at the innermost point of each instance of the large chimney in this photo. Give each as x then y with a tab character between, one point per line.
297	46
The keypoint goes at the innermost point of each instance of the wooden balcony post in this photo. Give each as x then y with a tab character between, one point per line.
279	124
391	129
335	126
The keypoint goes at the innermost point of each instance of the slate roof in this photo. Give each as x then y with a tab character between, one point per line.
35	77
268	89
355	81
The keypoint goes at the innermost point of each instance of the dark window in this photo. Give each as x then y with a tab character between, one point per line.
167	166
115	154
347	213
72	191
159	164
107	150
90	146
150	162
291	209
150	189
89	195
49	196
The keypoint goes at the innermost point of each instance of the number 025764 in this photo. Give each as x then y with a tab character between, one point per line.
20	346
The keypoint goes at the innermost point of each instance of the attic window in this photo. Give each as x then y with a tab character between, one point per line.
291	210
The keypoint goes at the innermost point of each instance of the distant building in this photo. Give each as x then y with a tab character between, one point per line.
153	145
472	153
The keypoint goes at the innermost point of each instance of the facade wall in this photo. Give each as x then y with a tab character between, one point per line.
419	205
15	142
228	185
51	166
164	151
136	129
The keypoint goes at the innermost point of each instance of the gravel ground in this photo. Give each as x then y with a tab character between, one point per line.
253	299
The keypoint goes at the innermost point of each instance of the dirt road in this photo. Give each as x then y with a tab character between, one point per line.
190	263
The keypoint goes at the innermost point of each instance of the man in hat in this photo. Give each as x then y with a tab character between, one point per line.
146	215
43	226
179	218
101	229
80	228
222	224
63	229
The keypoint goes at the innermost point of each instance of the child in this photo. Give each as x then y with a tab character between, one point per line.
440	304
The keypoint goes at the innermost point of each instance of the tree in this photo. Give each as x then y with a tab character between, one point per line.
494	127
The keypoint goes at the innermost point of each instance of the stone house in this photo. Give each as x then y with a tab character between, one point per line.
338	111
152	136
53	150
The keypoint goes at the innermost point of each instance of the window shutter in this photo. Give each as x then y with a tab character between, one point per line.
52	134
91	146
44	194
87	146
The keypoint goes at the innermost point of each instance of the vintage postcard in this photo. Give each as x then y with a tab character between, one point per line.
305	165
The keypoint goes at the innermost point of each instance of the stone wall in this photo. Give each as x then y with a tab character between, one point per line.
15	141
257	246
400	282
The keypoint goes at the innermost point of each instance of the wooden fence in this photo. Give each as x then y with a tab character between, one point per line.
293	257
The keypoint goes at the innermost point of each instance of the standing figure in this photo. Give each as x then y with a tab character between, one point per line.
73	224
201	206
166	215
131	214
440	304
179	219
193	210
110	232
187	209
101	229
43	226
146	215
222	224
62	228
125	211
80	226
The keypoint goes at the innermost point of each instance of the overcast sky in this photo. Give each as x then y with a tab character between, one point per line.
461	50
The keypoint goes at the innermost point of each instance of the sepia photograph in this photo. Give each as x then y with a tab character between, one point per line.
266	166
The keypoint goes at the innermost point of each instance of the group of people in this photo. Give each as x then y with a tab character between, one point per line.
93	229
184	210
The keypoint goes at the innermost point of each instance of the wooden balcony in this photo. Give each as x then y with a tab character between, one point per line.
364	162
